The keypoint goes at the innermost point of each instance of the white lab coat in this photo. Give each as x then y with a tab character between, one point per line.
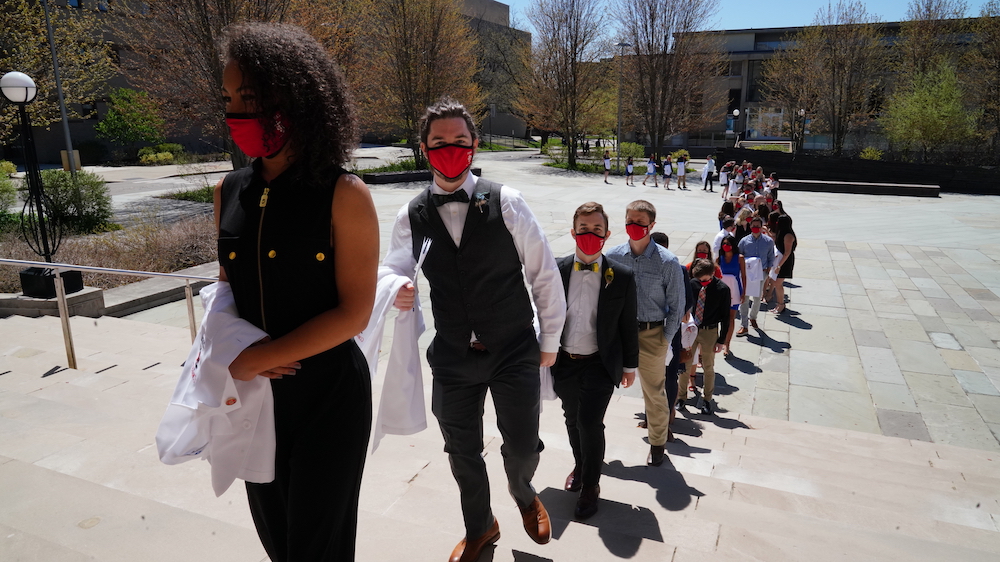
755	276
214	416
401	409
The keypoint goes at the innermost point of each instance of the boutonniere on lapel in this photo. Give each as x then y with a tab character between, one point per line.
480	199
609	276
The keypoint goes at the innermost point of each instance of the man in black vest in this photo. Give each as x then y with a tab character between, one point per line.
481	234
600	348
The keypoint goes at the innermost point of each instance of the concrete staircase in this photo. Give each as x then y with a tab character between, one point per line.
80	478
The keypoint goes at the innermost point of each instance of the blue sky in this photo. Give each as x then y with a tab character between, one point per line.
742	14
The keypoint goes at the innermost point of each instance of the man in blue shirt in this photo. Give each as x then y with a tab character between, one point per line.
660	293
757	245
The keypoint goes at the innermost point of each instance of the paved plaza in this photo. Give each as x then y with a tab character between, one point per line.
860	425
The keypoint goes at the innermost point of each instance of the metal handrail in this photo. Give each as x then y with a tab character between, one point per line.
61	293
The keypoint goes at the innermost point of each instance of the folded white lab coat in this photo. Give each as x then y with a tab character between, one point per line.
401	409
214	416
755	276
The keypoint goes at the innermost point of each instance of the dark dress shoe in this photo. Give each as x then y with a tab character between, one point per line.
469	551
573	482
536	521
655	457
586	506
706	408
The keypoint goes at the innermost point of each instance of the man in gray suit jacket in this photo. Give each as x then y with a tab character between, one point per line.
600	348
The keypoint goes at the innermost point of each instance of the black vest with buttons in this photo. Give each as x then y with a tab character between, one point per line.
276	249
477	286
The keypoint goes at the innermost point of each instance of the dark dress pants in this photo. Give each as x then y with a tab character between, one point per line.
461	377
674	369
585	388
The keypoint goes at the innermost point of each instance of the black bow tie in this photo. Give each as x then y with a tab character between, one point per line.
457	196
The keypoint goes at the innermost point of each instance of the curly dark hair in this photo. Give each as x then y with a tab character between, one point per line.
289	71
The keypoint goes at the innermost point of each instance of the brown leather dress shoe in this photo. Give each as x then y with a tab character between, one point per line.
586	506
536	521
655	457
469	551
573	482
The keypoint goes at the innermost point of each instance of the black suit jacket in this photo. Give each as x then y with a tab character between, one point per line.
617	320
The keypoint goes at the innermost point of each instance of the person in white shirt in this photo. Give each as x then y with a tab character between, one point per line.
607	166
651	171
483	235
728	228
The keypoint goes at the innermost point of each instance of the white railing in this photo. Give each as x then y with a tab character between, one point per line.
61	293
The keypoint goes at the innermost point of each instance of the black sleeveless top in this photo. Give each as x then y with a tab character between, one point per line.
274	244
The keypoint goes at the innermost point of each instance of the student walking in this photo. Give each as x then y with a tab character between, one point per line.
651	171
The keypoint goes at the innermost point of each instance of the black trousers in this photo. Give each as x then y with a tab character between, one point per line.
461	377
674	369
323	414
585	388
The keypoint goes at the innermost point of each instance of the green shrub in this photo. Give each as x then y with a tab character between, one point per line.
871	153
88	213
7	168
10	222
156	159
147	150
404	165
553	141
8	193
769	147
679	153
171	147
204	194
635	150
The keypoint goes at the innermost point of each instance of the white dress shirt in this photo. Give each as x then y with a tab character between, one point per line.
580	334
540	270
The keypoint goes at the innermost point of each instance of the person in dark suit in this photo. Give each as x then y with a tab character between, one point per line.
711	312
600	348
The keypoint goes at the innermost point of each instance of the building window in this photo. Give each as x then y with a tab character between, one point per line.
736	68
73	3
753	80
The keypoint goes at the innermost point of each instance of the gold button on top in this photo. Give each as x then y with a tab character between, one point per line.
232	255
320	256
271	254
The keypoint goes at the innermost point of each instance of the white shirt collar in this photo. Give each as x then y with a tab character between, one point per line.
468	185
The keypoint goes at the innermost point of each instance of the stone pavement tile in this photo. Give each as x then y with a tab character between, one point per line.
903	329
877	296
870	338
903	283
851	289
907	425
988	406
868	272
957	319
773	362
940	389
857	301
944	341
819	292
984	315
864	320
831	335
18	545
879	365
29	443
991	329
832	408
733	390
958	426
985	356
920	357
930	288
971	336
889	396
944	304
915	271
976	382
799	310
980	293
826	370
959	360
879	284
897	311
840	257
933	323
921	307
813	269
770	403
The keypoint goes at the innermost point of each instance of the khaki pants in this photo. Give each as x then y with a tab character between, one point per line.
707	338
653	377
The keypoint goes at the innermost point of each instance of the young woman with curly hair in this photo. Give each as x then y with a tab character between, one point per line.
298	243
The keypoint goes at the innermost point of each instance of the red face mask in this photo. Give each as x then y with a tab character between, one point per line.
450	160
589	243
636	231
755	229
248	134
727	248
701	255
705	283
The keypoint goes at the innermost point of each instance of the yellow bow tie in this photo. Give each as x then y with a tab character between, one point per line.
577	266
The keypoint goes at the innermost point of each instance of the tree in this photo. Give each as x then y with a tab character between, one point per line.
983	64
674	60
172	52
931	31
565	71
422	50
929	113
85	62
132	117
832	69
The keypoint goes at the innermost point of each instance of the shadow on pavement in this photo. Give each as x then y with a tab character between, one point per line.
791	318
764	340
522	557
741	365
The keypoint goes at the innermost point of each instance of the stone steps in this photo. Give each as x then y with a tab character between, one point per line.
80	472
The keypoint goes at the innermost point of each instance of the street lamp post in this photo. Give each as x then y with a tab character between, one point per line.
62	102
736	115
801	141
621	78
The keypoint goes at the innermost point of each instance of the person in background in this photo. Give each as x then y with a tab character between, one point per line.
728	228
607	166
629	169
600	348
486	248
727	210
682	172
299	244
785	242
708	174
660	290
651	171
711	313
734	275
757	245
668	171
676	364
703	251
